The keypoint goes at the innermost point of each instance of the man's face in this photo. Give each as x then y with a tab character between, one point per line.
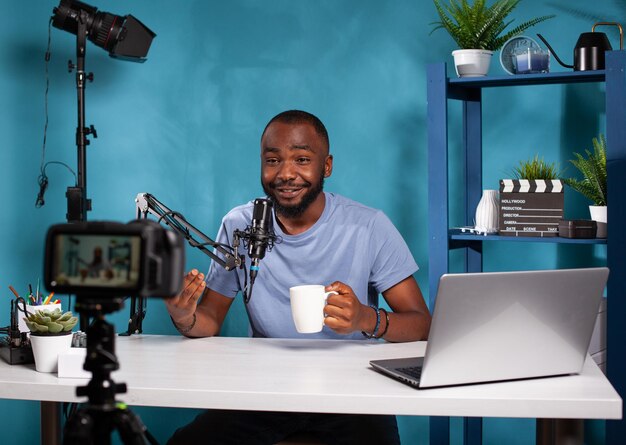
294	163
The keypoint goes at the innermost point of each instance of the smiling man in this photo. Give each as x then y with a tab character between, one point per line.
294	162
327	239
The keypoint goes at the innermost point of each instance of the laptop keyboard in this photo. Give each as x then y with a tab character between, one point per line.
413	371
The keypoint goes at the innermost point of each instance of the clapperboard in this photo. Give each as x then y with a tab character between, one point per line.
530	207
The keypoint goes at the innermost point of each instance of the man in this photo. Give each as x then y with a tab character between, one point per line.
99	267
326	239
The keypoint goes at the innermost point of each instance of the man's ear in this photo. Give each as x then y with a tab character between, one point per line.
328	166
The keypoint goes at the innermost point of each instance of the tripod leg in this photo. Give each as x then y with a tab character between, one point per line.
130	427
79	429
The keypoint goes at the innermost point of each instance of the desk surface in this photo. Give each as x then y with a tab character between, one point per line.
314	376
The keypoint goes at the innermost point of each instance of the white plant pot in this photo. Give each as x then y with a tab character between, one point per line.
598	214
32	309
46	350
472	62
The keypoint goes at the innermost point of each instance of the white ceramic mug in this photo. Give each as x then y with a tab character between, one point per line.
307	307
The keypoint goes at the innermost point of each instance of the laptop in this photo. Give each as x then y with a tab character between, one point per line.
500	326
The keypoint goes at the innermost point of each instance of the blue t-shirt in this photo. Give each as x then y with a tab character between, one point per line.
350	242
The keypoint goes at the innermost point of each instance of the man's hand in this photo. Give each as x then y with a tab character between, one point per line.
344	313
182	306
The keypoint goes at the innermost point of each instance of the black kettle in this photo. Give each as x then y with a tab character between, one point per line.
590	48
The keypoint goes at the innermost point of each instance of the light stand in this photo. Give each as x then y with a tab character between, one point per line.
77	202
125	38
94	423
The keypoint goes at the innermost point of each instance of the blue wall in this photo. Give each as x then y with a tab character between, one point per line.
185	126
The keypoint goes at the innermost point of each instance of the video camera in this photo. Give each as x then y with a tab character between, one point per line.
110	259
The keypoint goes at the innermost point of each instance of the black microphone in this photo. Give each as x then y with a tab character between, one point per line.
261	230
261	237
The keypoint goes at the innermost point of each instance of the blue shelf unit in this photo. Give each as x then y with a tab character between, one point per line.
443	238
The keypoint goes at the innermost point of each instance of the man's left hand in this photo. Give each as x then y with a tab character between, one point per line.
344	313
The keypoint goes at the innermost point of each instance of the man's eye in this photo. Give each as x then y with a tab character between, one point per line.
303	160
271	161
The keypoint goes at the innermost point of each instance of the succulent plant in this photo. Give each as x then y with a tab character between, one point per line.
46	322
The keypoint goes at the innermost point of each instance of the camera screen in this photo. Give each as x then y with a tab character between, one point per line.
96	261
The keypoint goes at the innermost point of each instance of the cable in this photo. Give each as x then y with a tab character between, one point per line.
45	127
169	219
42	179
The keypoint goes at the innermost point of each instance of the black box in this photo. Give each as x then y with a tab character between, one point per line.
577	228
16	355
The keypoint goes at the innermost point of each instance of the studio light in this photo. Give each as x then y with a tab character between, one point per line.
124	37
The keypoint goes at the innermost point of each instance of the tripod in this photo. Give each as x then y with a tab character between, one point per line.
102	414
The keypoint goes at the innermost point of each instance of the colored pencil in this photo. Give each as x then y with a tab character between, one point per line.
14	291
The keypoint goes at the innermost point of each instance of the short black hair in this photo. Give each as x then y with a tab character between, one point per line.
300	117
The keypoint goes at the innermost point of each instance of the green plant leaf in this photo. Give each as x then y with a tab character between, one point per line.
55	328
536	168
593	170
50	322
69	324
478	26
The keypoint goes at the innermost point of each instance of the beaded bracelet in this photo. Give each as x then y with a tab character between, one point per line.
386	319
186	329
373	334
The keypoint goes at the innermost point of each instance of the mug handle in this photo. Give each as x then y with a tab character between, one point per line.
327	294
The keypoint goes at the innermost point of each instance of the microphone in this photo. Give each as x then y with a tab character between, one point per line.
261	238
261	230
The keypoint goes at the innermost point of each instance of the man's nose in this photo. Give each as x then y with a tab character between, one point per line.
287	171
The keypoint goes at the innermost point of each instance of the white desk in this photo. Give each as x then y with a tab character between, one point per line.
314	376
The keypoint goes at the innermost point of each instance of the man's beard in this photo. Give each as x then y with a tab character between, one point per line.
296	210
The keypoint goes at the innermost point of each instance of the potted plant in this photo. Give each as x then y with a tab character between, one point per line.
535	169
593	184
478	30
531	204
50	334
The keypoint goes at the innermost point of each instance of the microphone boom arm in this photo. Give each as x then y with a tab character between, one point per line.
147	203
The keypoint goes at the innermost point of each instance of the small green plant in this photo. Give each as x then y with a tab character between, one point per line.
536	168
593	169
478	26
50	322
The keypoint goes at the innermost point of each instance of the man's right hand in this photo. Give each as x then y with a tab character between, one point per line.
182	306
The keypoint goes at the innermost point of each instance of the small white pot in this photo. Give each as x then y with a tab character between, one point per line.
46	350
598	214
472	62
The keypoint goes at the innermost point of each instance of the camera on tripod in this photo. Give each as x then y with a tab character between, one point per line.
109	259
100	262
